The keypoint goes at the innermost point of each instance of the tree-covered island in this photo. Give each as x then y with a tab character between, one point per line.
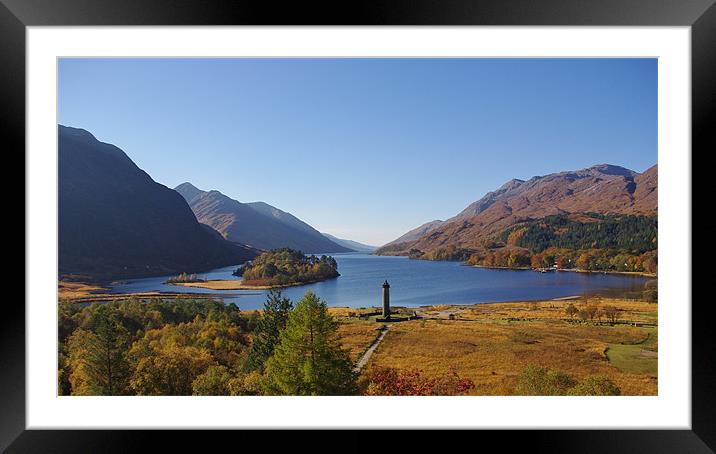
277	268
285	266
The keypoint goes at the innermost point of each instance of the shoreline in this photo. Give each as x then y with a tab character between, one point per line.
225	284
529	268
625	273
106	297
446	307
558	299
570	270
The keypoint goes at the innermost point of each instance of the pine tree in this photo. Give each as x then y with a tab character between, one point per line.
266	334
97	357
309	359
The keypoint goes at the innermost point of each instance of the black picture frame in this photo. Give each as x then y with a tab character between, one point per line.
700	15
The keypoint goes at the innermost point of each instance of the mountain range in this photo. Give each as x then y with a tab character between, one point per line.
602	189
354	245
116	222
257	224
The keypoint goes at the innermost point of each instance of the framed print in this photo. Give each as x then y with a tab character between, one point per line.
408	218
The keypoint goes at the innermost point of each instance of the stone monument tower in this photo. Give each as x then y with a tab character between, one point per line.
386	299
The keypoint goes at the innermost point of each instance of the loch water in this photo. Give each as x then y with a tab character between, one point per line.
413	283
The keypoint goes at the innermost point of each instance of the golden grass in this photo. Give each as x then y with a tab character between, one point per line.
73	290
350	311
630	310
487	343
81	292
492	343
357	336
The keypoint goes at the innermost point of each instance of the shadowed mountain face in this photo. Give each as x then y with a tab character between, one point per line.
116	222
604	189
257	224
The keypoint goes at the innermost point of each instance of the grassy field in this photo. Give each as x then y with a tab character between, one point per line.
79	292
492	343
357	336
74	290
639	358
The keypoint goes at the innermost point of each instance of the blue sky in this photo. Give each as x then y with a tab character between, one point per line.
364	149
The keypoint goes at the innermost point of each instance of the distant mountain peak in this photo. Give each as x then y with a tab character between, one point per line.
602	188
610	169
513	183
188	191
256	223
187	186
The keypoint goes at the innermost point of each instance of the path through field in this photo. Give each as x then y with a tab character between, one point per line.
368	353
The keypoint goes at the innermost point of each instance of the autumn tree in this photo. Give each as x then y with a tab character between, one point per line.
600	313
571	310
66	325
612	313
225	341
170	370
595	385
63	381
213	382
135	346
83	379
649	262
309	359
592	310
268	327
96	365
66	319
250	384
540	381
583	314
96	358
651	295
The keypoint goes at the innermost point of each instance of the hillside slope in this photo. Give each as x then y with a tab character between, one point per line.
416	233
257	224
603	189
